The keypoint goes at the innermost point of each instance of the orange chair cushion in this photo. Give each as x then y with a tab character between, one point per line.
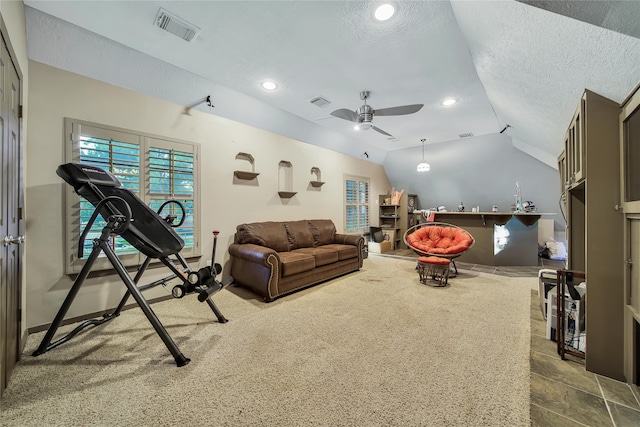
434	260
436	240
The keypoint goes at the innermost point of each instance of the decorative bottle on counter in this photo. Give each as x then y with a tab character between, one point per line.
461	207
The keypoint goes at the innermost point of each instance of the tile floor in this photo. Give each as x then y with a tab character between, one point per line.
563	393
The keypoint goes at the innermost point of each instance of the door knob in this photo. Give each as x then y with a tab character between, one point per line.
10	239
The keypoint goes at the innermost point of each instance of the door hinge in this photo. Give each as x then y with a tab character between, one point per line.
19	314
19	111
20	214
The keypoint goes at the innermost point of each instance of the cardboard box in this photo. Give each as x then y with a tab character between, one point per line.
380	248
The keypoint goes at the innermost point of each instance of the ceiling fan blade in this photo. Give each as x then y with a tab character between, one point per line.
381	131
398	111
345	114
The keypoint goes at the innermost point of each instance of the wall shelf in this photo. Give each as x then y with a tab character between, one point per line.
285	179
287	194
246	175
316	183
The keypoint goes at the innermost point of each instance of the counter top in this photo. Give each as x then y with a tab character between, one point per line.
498	218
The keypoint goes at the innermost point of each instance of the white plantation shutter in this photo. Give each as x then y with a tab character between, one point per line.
172	176
155	169
123	160
356	205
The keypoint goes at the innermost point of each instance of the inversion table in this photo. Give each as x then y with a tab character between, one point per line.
129	217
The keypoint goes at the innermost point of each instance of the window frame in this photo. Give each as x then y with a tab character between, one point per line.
74	128
358	179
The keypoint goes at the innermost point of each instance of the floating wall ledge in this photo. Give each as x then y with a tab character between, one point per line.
287	194
317	183
246	175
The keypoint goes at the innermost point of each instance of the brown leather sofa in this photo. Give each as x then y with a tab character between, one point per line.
276	258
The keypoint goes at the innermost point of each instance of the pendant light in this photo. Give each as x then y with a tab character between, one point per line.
424	166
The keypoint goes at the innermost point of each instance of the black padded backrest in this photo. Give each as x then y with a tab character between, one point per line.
148	232
78	174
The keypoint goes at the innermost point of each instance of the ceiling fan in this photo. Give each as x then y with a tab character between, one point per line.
363	116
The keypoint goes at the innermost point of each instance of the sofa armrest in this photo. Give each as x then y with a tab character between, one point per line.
349	239
253	253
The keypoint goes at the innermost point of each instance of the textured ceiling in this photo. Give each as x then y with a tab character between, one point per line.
506	62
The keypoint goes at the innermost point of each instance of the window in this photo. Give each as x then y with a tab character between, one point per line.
356	205
155	169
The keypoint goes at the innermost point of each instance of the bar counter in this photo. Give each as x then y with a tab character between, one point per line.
501	238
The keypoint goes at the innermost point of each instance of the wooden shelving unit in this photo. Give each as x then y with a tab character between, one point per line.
630	191
590	179
394	219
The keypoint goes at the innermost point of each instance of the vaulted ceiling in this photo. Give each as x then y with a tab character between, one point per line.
522	64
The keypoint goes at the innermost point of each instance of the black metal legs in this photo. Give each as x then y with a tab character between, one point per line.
132	289
181	360
46	344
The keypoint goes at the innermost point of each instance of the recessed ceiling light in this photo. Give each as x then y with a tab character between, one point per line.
269	85
449	101
384	12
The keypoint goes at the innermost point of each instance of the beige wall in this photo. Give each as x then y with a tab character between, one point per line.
56	94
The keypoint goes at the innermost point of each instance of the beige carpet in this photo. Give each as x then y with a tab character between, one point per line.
374	348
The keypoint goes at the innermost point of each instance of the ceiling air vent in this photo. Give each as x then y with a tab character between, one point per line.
466	135
175	25
319	101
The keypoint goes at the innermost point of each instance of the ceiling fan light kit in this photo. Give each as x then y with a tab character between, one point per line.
363	116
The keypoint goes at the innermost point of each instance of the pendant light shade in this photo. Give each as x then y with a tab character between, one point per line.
424	166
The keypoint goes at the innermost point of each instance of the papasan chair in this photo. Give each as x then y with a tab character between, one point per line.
439	239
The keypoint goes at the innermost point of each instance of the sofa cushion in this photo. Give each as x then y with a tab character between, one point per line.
296	262
269	234
299	234
323	255
323	230
344	251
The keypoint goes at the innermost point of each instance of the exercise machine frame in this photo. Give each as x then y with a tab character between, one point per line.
118	221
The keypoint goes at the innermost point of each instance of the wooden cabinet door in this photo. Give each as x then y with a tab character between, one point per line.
577	128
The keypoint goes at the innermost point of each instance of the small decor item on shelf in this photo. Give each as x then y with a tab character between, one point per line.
395	196
494	208
518	198
461	207
529	206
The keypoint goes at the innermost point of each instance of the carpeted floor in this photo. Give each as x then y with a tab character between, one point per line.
373	348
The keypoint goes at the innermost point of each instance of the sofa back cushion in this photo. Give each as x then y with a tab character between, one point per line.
269	234
299	234
323	230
